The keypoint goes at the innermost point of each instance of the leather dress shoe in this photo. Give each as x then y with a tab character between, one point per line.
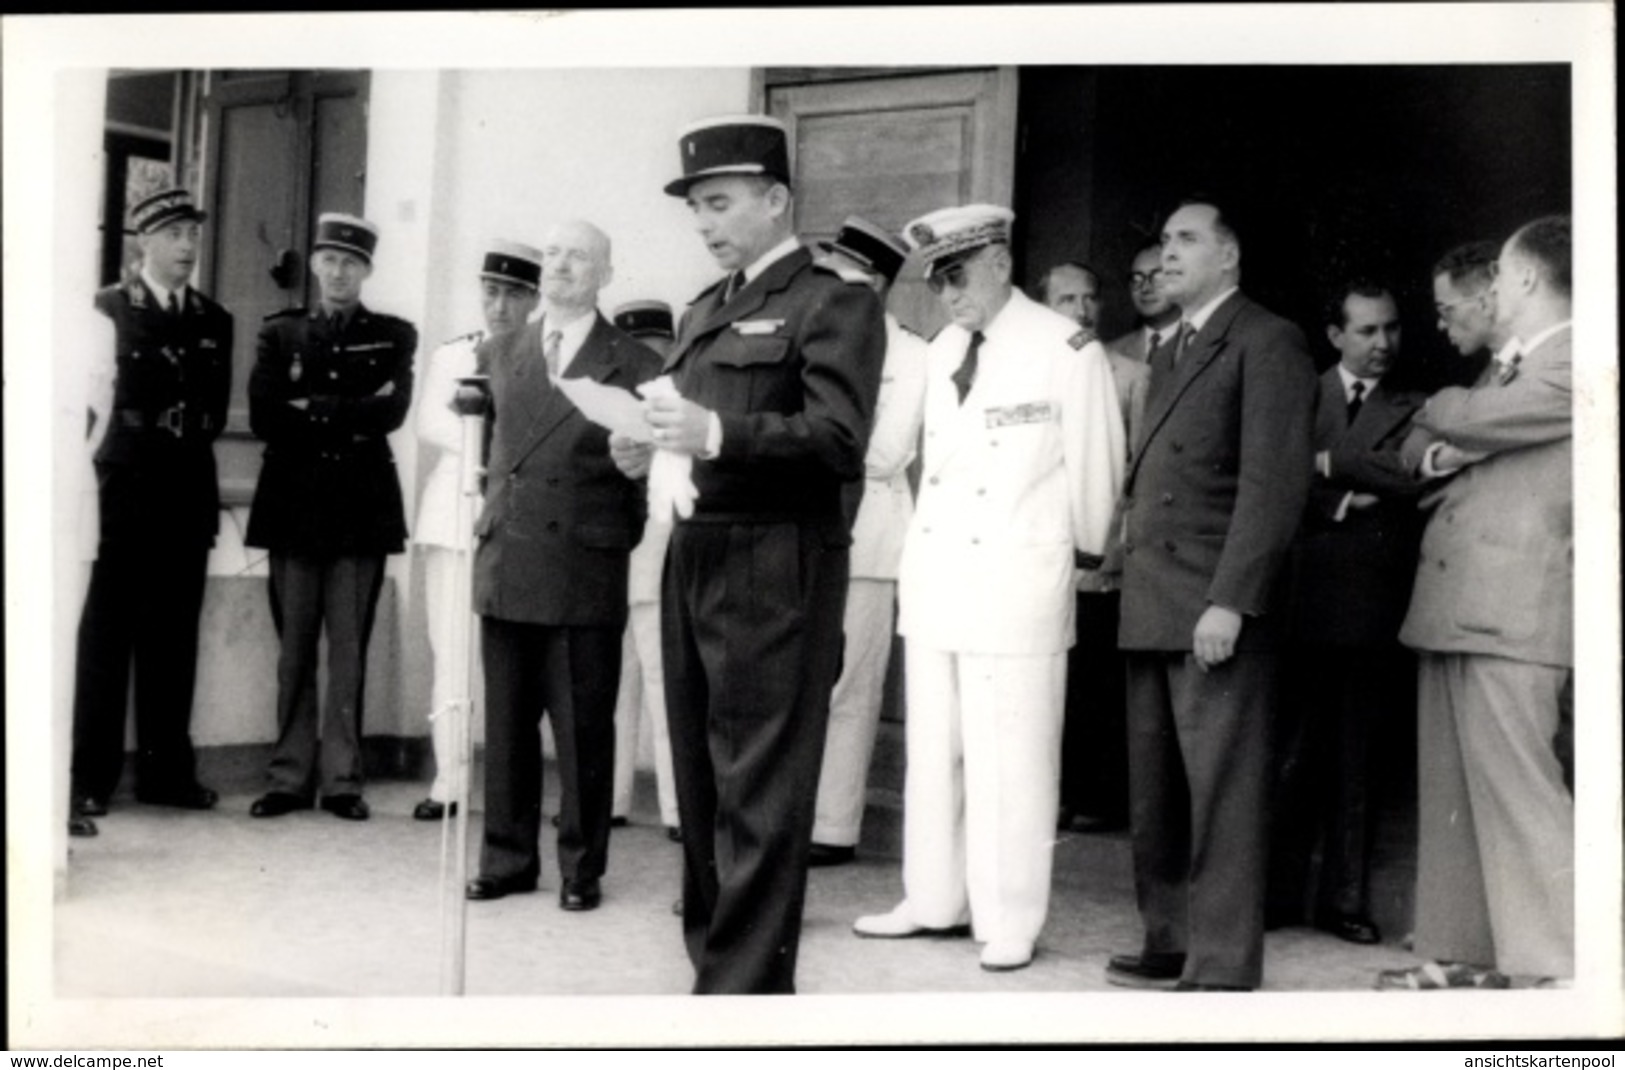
582	893
614	822
825	854
1001	956
898	925
349	807
1197	986
90	806
1354	928
277	803
81	826
432	810
674	834
1151	969
497	887
189	797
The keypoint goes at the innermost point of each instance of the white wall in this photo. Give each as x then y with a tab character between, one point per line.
523	149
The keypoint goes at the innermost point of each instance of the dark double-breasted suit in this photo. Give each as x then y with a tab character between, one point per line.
754	591
323	396
550	583
1215	489
159	505
1346	675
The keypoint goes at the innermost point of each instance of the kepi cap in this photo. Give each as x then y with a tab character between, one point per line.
732	145
948	235
162	208
351	234
870	246
511	261
644	319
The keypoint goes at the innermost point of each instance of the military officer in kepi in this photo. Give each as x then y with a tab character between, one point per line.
510	280
1023	458
328	385
159	507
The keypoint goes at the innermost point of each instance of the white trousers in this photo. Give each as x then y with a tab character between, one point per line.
640	706
983	784
854	711
440	587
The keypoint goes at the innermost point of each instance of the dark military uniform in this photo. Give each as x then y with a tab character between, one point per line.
160	508
328	507
754	591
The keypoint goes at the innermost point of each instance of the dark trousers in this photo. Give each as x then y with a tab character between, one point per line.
1337	708
1198	777
142	609
1094	744
751	631
572	674
308	593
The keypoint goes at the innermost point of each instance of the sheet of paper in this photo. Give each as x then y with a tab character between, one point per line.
607	406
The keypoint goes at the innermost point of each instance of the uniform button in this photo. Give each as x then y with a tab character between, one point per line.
992	442
1179	447
552	525
976	542
981	490
935	481
1168	544
1167	499
333	374
926	530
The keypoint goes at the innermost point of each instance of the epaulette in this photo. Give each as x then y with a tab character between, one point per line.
1079	340
844	273
284	313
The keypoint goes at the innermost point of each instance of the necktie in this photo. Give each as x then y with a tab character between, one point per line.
736	282
550	352
1156	340
966	375
1356	399
174	303
1183	341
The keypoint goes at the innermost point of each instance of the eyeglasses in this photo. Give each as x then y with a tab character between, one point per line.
1445	309
953	275
1139	280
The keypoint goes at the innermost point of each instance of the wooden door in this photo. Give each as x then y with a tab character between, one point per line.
281	147
893	145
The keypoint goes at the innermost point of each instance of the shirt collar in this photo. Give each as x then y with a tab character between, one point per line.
572	336
1519	348
1349	379
755	268
162	292
1199	318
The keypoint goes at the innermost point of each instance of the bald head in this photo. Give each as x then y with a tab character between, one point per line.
575	266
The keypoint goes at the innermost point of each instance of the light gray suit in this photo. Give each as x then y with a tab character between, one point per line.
1493	617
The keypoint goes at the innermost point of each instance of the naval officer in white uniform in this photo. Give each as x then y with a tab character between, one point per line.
1023	454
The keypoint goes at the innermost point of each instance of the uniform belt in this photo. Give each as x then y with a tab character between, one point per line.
173	420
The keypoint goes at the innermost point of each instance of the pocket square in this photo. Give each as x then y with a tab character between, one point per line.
758	326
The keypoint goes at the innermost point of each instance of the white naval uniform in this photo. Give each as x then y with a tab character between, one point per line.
641	699
1015	479
439	542
877	544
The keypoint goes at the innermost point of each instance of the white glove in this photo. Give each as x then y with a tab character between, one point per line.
671	483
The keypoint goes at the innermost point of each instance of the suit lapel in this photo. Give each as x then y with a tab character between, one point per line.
709	315
1382	413
1209	342
592	361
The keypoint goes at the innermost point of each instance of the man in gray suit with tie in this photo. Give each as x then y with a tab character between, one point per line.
1215	489
550	577
1492	618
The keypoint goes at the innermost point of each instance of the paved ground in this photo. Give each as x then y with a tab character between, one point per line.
174	904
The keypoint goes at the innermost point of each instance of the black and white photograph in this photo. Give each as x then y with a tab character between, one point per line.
1053	525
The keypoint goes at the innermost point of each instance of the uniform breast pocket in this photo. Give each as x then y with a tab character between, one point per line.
751	369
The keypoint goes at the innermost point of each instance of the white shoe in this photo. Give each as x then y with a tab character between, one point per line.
899	925
1001	955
